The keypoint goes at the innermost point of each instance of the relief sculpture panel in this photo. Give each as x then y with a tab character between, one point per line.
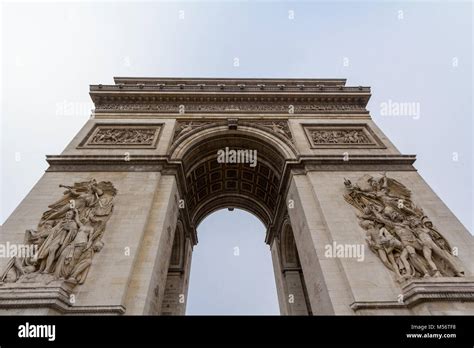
66	237
341	136
122	136
398	231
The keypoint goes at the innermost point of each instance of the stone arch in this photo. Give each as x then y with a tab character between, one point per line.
210	186
181	146
233	201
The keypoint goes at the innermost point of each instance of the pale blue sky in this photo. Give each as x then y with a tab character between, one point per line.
231	271
52	51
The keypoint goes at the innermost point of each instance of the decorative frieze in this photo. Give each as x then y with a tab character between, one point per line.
341	136
206	107
417	291
122	136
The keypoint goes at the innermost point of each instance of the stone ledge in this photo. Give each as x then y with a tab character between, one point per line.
166	162
425	290
432	289
53	296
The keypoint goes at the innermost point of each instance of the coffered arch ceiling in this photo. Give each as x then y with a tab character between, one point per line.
211	185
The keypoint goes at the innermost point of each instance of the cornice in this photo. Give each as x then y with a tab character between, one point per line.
154	162
193	103
234	88
178	95
167	96
218	80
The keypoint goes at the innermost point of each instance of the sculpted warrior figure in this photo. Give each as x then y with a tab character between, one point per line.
407	237
374	239
436	236
56	239
39	236
80	197
393	246
79	273
382	191
354	137
430	247
105	136
73	251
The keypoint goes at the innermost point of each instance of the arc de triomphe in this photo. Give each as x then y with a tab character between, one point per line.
351	225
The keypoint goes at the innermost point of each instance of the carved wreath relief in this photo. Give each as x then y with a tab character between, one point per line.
67	236
398	231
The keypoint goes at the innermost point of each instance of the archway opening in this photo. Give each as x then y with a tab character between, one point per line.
212	182
232	271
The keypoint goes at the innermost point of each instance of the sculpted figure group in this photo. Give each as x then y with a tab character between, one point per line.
67	236
339	137
123	136
398	231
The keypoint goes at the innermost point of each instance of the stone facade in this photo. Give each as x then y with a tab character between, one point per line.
352	227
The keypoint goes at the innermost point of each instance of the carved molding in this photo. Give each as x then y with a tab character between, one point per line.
122	136
231	85
341	136
420	291
55	295
226	108
229	104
